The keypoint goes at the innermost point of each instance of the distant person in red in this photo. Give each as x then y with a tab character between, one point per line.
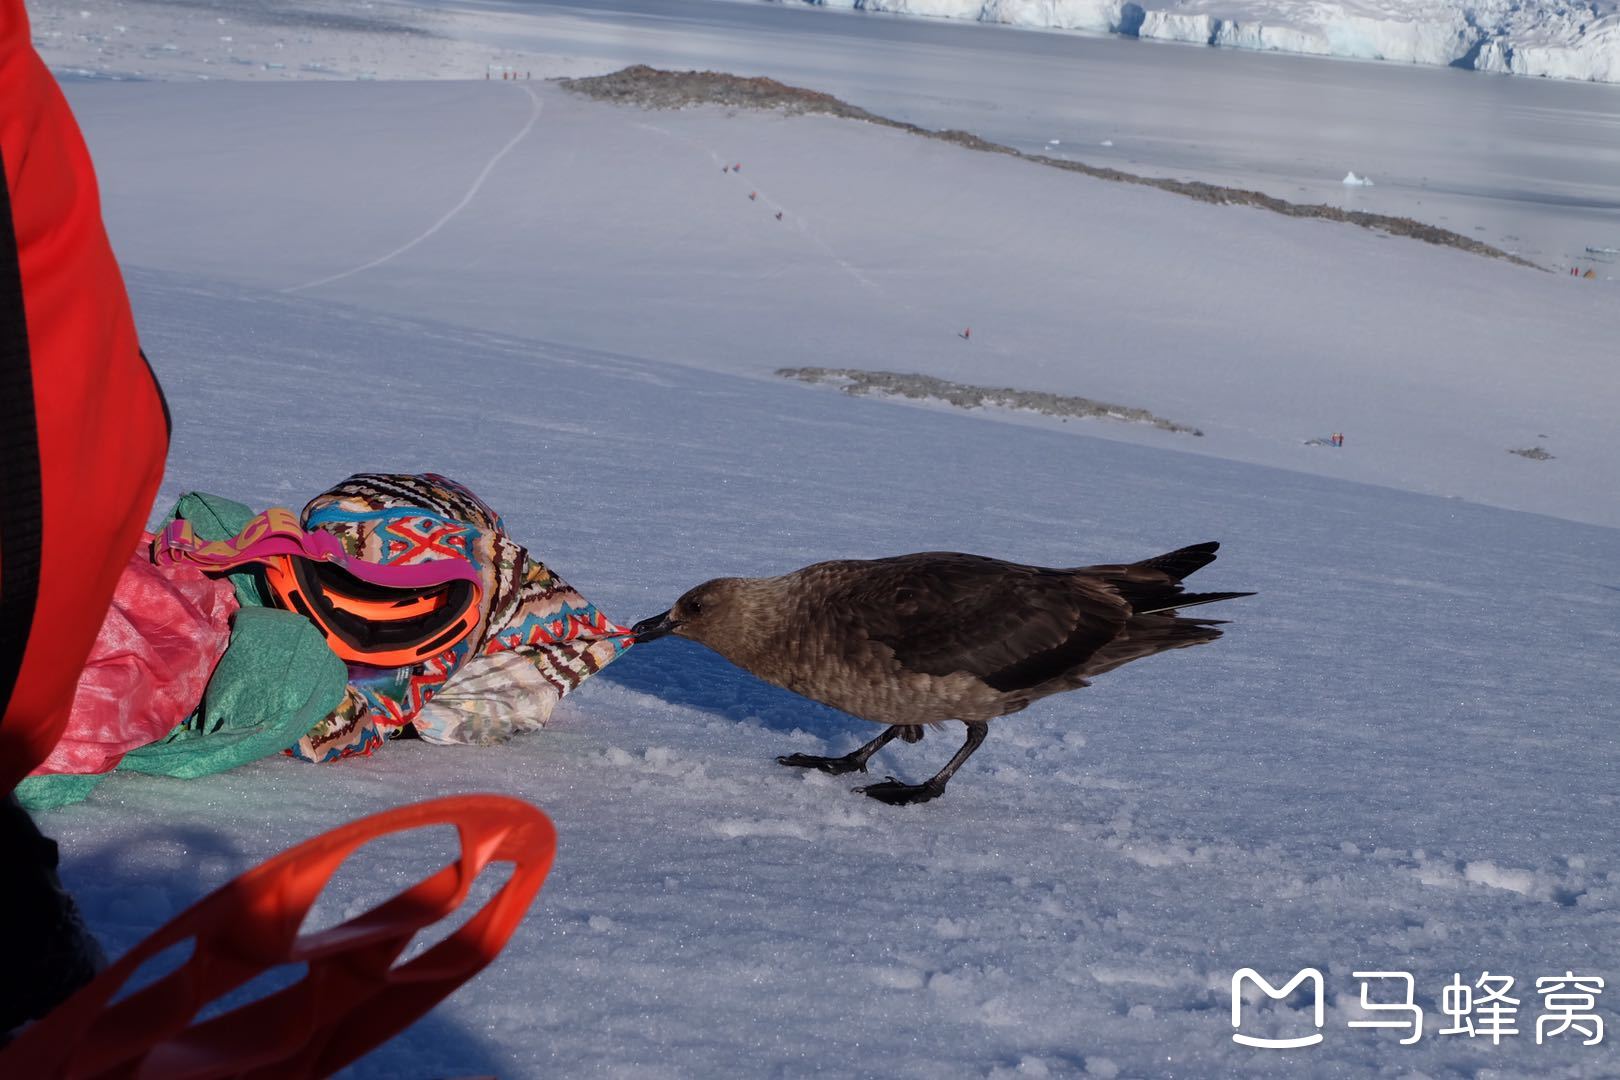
83	434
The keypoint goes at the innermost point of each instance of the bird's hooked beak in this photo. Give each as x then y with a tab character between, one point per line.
654	628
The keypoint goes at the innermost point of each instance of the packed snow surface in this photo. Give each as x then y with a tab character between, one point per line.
1554	38
1399	758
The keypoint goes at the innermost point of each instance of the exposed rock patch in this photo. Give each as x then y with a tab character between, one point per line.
963	396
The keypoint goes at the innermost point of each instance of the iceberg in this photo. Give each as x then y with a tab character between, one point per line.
1544	38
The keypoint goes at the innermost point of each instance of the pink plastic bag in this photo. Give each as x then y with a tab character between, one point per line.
166	629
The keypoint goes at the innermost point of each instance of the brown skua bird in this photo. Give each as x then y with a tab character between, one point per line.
920	639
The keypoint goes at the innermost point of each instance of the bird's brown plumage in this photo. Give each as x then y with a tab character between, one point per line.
942	635
917	639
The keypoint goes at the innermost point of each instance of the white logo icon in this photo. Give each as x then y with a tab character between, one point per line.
1318	1017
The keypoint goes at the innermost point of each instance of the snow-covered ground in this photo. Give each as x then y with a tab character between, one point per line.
1398	759
244	39
1263	332
1553	38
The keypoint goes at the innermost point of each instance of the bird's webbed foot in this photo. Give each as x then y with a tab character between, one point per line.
895	793
837	766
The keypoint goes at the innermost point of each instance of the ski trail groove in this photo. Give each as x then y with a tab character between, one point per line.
489	167
798	224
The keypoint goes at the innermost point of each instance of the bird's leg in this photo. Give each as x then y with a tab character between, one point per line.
853	761
895	793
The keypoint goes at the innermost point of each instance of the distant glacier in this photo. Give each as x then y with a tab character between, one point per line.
1550	38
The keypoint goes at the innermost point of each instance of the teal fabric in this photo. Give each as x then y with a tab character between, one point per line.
37	793
277	679
216	518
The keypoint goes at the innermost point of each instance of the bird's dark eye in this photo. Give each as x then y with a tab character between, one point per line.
695	607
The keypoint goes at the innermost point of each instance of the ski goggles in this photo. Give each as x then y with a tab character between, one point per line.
378	614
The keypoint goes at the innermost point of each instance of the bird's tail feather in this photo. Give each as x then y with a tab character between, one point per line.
1147	636
1185	600
1181	562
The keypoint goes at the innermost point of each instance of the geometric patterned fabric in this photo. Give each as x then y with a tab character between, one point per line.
535	640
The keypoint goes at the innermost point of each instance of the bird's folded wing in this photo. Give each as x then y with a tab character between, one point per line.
1013	626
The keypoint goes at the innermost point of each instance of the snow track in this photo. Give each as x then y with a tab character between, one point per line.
797	222
449	215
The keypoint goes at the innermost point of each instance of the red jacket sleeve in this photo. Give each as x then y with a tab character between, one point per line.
83	427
